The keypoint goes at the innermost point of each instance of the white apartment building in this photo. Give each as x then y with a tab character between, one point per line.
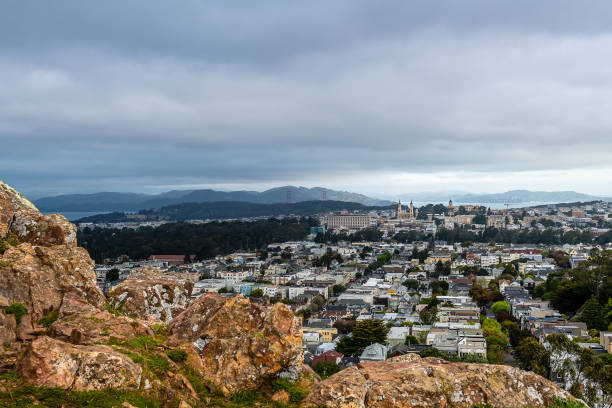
348	221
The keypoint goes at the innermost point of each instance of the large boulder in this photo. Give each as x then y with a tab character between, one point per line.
20	217
37	277
81	323
39	263
235	343
410	381
152	295
53	363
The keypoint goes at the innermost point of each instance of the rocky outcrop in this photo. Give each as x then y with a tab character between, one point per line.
20	217
39	263
410	381
236	343
81	323
53	363
151	295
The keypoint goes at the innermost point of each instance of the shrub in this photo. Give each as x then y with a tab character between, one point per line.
430	352
49	318
17	309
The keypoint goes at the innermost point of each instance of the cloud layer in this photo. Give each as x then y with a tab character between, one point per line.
379	97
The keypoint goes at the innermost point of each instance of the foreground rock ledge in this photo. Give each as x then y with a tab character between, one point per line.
412	381
54	363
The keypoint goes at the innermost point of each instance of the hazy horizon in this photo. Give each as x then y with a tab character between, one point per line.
384	196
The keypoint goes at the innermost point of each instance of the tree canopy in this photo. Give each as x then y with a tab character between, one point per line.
366	332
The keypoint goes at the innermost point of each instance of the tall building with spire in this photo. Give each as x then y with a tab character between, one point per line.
411	214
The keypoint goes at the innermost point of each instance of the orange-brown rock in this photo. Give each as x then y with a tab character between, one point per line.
20	217
38	277
235	343
53	363
39	262
151	295
307	378
81	323
409	381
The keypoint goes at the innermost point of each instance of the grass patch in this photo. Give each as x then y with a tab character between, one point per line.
17	309
113	310
31	396
177	355
160	329
6	242
296	393
5	264
157	364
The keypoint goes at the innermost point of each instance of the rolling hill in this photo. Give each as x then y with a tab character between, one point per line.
113	201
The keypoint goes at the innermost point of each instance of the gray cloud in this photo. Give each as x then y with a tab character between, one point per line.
134	95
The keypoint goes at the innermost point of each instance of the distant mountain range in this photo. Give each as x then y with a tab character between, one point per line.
109	201
510	197
233	209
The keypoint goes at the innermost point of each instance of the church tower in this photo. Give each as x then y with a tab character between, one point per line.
399	209
411	210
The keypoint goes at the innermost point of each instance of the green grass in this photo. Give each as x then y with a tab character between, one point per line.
113	310
557	403
5	264
177	355
6	242
17	309
160	329
158	364
31	396
296	393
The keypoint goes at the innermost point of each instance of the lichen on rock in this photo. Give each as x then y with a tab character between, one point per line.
151	295
238	343
412	381
53	363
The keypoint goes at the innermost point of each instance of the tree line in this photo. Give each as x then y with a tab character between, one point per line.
549	236
202	240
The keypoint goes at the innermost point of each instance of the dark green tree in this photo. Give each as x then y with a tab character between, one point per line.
532	356
256	293
366	332
428	315
411	284
411	340
112	275
592	314
326	368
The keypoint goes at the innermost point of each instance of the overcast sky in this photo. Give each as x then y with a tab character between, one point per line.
378	97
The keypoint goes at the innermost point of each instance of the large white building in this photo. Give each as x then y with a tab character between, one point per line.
348	221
